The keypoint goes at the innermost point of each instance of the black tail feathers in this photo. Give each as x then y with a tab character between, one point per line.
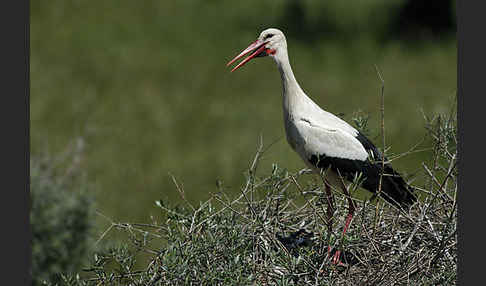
395	190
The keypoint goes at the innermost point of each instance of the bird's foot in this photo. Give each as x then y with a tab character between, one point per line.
336	258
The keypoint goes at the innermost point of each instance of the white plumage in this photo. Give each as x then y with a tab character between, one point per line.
323	140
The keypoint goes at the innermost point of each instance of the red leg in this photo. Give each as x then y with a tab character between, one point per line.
330	206
330	215
330	212
351	208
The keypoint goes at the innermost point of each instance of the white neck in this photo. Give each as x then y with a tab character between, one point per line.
289	83
292	92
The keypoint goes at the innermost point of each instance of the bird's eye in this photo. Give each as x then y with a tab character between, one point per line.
268	36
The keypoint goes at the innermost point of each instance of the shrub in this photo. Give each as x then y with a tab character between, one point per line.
61	217
275	233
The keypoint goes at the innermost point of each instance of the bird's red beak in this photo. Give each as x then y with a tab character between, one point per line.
258	49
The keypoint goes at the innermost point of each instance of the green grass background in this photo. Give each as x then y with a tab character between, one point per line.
144	83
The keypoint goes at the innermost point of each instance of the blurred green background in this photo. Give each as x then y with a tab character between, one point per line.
143	89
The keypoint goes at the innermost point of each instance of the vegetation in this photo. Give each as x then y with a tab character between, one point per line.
275	233
146	88
62	219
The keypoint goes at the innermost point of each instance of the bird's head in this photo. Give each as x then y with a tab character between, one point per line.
271	42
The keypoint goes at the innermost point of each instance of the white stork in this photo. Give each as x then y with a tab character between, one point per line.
324	141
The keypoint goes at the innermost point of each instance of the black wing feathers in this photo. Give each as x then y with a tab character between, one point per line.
394	189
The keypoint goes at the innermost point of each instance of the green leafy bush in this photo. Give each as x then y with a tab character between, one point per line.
275	232
61	218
